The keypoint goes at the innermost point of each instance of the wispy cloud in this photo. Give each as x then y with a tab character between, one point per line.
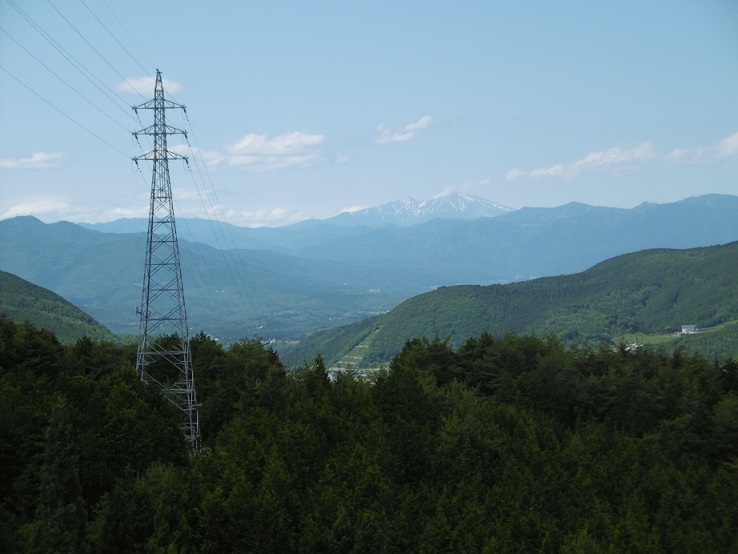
258	153
145	86
408	132
37	160
211	158
617	158
728	147
613	158
37	206
680	154
723	149
58	208
117	213
354	208
274	217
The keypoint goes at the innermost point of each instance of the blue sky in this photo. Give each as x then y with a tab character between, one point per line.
305	109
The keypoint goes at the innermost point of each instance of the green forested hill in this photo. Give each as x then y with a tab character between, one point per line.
654	291
24	301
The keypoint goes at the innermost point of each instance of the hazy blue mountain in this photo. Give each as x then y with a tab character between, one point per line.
533	242
515	245
286	281
231	294
314	232
287	239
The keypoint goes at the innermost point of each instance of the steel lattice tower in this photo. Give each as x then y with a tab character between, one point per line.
163	356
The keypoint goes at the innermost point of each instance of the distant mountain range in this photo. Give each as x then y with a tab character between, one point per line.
290	281
401	213
649	292
230	294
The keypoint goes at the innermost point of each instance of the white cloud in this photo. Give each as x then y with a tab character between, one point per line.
728	147
355	208
184	195
514	174
275	217
678	154
725	148
408	132
558	170
58	208
258	153
37	206
613	158
211	158
145	86
118	213
38	160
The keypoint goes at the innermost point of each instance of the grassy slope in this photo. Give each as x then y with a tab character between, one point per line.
24	301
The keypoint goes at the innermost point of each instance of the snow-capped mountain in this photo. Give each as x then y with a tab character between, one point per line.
408	211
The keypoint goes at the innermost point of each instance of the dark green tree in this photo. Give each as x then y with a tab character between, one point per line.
61	517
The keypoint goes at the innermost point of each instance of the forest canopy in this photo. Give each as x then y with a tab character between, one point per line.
506	443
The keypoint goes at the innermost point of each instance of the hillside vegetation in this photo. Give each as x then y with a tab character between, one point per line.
24	301
649	292
506	444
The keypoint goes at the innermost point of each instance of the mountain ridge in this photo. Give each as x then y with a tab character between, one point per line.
654	291
286	282
402	213
409	211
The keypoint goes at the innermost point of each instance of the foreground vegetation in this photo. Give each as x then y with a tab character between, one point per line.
509	443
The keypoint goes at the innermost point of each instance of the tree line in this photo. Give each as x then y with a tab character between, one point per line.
507	443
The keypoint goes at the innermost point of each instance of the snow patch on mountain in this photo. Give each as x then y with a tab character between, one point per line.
409	211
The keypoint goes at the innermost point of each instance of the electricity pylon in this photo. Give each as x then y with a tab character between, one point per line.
163	356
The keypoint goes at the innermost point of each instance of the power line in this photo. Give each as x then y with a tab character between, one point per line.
129	35
228	249
98	137
103	58
55	74
114	38
216	208
87	74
